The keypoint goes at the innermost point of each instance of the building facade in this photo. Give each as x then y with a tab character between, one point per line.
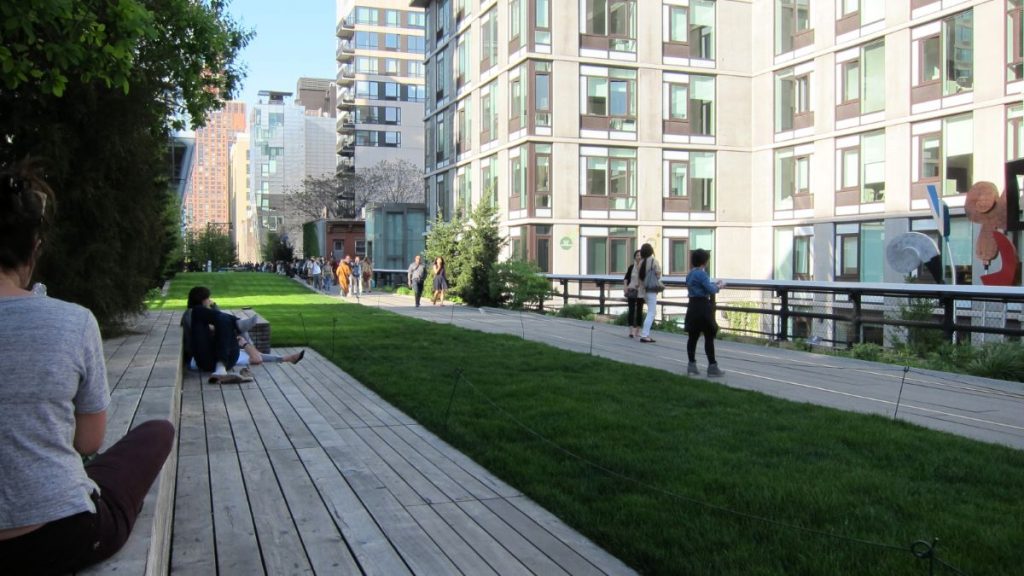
243	216
287	145
208	197
791	138
380	83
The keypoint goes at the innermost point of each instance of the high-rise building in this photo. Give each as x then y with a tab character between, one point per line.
287	145
791	138
208	200
243	216
380	83
319	96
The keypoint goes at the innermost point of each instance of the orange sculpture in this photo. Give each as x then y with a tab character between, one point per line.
986	206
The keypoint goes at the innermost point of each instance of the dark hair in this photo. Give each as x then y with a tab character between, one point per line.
646	251
197	295
635	254
699	257
24	203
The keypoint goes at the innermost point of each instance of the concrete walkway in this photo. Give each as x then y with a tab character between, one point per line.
979	408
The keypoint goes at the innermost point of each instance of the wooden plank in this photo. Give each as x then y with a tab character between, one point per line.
592	552
466	463
458	551
192	422
365	469
370	546
328	384
451	489
273	436
324	545
467	481
238	550
326	405
247	439
553	548
276	532
317	387
156	404
406	471
491	550
522	549
120	413
298	434
307	412
373	411
218	428
193	550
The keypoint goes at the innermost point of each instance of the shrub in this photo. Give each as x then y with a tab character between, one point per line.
622	319
950	357
670	325
1004	361
577	311
920	340
742	321
867	351
516	283
403	291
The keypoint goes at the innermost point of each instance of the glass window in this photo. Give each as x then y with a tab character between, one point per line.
489	39
542	93
597	96
678	179
702	29
702	104
873	58
678	27
873	157
959	52
597	169
851	168
542	22
851	81
792	17
392	18
1014	40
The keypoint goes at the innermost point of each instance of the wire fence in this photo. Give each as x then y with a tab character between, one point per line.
925	552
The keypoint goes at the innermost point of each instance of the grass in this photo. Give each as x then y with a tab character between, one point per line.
681	442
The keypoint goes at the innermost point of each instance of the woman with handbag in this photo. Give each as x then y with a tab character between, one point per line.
634	305
648	288
700	314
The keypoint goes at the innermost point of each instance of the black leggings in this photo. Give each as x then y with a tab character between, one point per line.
635	312
700	319
124	474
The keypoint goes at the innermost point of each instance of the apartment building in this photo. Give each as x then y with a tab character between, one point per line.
789	137
287	143
380	83
207	200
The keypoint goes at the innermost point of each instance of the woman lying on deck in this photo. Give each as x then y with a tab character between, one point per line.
56	514
217	342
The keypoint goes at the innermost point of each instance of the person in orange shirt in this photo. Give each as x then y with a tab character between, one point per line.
343	272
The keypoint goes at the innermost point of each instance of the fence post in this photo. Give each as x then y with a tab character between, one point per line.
784	315
855	298
565	293
948	316
600	298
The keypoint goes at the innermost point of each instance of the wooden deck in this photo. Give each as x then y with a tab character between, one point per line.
305	471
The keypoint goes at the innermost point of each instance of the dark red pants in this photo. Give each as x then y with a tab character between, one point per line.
124	474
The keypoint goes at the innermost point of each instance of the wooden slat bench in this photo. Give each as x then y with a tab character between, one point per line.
144	373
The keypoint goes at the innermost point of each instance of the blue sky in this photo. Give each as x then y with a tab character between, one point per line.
293	38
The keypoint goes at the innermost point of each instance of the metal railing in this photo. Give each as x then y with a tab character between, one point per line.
840	313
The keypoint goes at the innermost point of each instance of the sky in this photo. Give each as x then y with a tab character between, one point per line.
294	38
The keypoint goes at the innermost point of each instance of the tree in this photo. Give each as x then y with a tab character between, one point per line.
470	249
92	88
276	249
322	197
211	245
391	181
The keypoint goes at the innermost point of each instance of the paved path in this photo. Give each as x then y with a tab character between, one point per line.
979	408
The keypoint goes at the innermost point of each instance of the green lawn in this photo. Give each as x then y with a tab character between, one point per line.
682	443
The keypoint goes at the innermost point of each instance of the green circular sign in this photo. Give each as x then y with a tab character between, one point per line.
565	243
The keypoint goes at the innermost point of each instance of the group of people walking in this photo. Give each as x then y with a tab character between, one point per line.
642	284
417	276
353	276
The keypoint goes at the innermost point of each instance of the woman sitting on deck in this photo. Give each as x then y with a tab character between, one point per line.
57	514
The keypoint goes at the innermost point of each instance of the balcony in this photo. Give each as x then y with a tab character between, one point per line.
345	123
346	98
346	74
346	146
345	29
346	165
346	51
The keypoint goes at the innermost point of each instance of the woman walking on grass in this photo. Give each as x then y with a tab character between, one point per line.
700	313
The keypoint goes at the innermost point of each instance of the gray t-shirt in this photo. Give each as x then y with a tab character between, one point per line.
51	366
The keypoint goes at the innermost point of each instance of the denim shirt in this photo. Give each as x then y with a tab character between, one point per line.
700	284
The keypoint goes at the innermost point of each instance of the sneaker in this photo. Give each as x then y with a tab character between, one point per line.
691	369
714	370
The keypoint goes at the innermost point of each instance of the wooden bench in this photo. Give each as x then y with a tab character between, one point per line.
144	372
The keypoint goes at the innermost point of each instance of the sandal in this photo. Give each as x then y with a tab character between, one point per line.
647	340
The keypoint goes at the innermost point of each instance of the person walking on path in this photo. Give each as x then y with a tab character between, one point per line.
646	290
700	312
417	275
356	281
440	281
57	513
634	305
343	272
368	274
